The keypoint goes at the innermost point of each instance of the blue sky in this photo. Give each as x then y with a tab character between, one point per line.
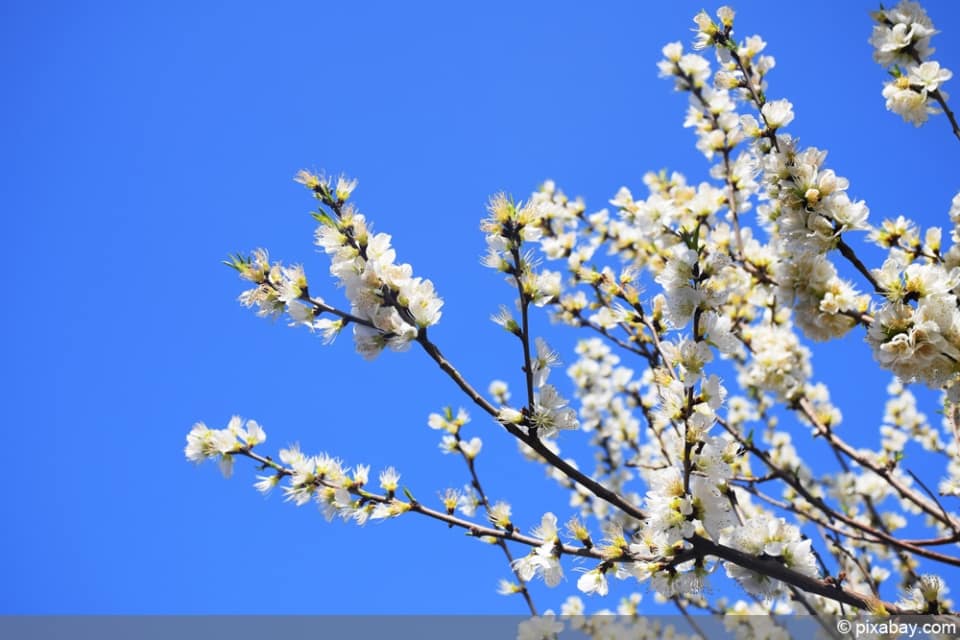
145	141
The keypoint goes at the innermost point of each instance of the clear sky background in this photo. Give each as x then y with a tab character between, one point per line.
142	142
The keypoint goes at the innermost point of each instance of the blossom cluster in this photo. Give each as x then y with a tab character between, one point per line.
394	304
609	398
550	411
204	442
916	332
507	228
901	43
544	560
337	489
773	538
389	306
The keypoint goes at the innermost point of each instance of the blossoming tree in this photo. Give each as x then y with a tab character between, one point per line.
692	473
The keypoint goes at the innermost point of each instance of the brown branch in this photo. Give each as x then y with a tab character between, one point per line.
852	258
475	482
473	528
530	439
789	478
905	492
938	96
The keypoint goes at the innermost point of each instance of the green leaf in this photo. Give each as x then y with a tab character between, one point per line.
323	218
